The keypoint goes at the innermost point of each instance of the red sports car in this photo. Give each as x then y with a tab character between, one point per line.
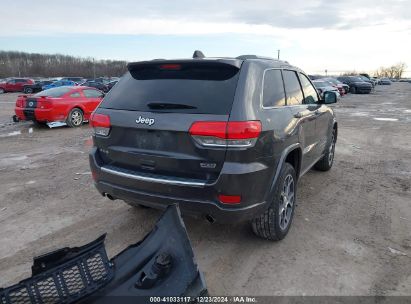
72	105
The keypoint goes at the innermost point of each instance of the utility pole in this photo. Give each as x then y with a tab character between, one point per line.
94	68
278	54
326	72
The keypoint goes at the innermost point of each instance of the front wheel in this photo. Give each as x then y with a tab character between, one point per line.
2	91
275	222
75	118
353	90
326	162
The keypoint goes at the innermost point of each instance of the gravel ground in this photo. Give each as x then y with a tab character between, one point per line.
351	234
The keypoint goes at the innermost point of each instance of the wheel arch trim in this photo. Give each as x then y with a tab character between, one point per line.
280	165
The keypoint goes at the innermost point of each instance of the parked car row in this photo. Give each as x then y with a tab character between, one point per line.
102	86
347	84
30	86
357	84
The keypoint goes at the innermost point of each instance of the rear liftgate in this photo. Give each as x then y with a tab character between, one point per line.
162	264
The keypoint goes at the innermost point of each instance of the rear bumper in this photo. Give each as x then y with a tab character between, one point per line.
160	265
193	200
42	115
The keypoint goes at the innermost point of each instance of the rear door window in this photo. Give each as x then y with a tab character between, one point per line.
202	88
273	91
310	94
292	88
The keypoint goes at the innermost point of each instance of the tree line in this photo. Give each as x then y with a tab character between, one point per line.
394	71
21	64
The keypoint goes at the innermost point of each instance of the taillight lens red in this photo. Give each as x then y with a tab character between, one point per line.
100	123
229	134
19	103
229	199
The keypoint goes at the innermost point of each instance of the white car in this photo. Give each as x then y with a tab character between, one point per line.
324	86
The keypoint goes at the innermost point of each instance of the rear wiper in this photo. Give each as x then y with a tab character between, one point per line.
168	106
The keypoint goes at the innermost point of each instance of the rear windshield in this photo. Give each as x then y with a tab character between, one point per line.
181	88
54	92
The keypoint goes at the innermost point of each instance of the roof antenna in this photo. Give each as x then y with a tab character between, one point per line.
198	54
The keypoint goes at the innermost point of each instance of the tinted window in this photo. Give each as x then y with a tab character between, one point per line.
54	92
207	88
292	88
273	91
92	93
310	94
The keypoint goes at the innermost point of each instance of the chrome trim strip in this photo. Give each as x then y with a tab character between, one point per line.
152	179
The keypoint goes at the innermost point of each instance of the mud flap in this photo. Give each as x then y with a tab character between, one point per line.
160	265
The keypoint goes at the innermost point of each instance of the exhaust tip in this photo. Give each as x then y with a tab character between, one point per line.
110	197
210	219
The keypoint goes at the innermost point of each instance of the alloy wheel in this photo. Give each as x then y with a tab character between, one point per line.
76	118
286	202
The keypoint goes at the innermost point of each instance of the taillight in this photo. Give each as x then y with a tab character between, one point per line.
229	199
226	134
19	103
100	123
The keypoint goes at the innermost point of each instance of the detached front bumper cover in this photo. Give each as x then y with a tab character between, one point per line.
160	265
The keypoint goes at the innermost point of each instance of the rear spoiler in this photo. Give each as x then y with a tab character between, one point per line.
132	66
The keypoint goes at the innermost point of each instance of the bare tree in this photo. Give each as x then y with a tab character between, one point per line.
394	71
45	65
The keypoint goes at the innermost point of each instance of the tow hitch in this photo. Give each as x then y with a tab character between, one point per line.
160	265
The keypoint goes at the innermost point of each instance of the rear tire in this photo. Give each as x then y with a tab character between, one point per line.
275	222
2	91
326	162
75	118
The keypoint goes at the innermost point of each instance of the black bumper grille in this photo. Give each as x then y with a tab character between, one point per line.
64	284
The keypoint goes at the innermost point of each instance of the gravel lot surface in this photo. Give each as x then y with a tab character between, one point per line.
351	234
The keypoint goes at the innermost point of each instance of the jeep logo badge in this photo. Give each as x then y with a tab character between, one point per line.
146	121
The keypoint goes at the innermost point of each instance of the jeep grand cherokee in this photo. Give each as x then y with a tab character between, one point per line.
225	138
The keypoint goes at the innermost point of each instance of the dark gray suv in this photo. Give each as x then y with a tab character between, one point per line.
225	138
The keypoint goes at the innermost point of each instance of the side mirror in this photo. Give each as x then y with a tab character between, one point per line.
329	97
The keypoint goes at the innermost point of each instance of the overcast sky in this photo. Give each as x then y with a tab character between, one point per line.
315	35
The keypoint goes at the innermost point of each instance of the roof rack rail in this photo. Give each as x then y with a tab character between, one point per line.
245	57
198	54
